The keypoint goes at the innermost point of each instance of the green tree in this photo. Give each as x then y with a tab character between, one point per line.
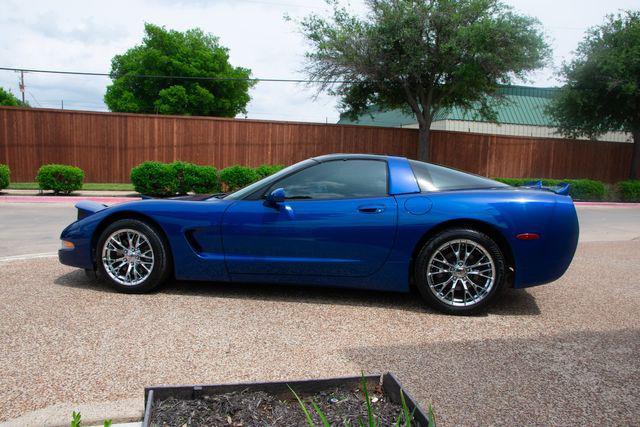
167	53
9	100
422	56
602	84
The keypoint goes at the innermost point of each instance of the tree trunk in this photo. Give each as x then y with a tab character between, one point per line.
635	157
423	143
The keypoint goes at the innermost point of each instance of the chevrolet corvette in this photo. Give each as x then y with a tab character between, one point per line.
343	220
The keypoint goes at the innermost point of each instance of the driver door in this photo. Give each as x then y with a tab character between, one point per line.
337	219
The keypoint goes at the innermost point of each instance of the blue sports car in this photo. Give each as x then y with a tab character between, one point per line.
342	220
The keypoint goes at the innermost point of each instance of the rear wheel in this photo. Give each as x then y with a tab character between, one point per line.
131	256
460	270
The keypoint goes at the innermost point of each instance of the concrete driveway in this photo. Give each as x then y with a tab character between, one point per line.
561	354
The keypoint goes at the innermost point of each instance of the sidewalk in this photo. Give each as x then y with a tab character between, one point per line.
81	193
34	196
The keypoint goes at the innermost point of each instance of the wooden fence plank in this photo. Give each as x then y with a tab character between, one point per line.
106	145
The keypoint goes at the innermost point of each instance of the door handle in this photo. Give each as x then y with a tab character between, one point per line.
371	209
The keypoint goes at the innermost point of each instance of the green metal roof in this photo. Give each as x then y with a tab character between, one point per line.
520	105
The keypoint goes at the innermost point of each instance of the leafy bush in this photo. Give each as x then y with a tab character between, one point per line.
169	179
514	182
200	179
60	178
236	177
266	170
581	189
154	179
587	189
5	173
629	190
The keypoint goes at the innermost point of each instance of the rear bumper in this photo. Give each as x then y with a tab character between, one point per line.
545	260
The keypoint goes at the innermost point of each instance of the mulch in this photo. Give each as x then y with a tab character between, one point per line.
257	408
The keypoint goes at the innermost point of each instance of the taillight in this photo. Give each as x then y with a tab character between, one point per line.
527	236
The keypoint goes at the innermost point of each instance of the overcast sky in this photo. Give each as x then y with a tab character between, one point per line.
83	35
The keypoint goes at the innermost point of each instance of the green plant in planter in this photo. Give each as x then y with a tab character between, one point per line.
405	418
236	177
5	174
60	178
266	170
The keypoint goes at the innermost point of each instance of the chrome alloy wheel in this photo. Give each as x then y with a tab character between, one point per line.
461	272
127	257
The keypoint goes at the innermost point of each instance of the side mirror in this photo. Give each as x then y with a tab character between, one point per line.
276	196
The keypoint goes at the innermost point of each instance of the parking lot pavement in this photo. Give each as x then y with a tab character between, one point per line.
608	223
565	353
32	228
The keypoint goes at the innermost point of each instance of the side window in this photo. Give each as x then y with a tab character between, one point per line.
432	177
337	179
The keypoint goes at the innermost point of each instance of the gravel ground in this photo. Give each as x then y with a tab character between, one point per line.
563	354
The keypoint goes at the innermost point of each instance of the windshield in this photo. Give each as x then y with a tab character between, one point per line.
265	182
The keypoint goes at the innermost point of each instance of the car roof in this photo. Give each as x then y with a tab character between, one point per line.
351	156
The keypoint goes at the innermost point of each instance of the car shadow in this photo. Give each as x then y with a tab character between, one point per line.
515	302
565	377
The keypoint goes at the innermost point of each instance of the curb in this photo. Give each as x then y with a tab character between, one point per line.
93	414
65	199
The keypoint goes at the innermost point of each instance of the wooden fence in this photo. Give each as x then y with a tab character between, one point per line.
106	145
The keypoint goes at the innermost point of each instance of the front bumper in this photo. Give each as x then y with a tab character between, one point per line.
79	256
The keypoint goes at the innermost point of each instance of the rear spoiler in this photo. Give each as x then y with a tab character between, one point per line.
87	208
561	189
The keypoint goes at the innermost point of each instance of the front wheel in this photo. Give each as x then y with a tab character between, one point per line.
460	270
131	256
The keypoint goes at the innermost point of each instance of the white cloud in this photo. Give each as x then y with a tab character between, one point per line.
85	35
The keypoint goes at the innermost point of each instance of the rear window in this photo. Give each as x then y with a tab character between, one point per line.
432	177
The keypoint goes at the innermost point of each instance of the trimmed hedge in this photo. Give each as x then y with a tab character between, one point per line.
63	179
5	174
236	177
169	179
266	170
154	179
204	180
581	189
629	190
195	178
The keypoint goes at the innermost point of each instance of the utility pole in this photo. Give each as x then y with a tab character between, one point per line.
22	84
62	104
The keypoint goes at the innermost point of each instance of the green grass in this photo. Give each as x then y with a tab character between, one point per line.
89	186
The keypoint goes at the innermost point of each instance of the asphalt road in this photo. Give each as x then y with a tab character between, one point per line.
561	354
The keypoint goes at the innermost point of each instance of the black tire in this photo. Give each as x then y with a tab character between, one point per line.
158	269
423	262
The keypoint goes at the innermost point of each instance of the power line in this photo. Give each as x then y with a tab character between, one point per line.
159	76
34	98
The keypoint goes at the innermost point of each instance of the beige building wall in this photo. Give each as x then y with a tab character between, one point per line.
515	130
